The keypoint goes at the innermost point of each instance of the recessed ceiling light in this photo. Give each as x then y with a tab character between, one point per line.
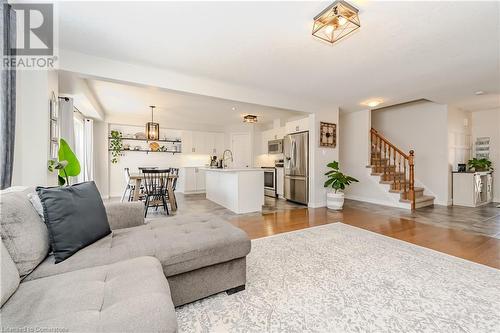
373	103
233	108
479	92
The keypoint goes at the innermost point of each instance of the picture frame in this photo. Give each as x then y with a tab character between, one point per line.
328	135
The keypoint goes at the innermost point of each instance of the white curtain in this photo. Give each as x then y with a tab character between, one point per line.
88	152
67	121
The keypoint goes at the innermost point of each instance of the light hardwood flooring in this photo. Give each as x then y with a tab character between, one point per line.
469	233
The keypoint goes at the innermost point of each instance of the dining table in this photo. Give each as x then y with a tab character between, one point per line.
138	177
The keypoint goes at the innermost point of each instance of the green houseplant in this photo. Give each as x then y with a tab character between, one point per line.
66	164
116	145
337	182
481	164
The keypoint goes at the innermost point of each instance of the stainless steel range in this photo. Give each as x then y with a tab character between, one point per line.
270	181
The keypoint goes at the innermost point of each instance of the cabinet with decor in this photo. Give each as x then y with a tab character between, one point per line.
472	189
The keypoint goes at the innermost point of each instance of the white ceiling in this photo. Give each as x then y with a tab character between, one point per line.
441	51
130	103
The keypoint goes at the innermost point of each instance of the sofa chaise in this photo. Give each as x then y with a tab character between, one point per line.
128	281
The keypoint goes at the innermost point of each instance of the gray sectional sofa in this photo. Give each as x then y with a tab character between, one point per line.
128	281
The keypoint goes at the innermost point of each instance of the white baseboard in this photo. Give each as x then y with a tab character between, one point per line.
378	202
316	204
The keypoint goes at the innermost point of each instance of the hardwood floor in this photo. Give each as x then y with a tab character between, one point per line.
458	231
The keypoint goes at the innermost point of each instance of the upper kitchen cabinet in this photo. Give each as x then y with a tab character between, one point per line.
299	125
207	143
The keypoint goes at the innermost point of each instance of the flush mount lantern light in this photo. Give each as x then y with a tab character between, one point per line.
152	128
336	21
250	118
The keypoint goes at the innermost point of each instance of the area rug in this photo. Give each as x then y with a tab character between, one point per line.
339	278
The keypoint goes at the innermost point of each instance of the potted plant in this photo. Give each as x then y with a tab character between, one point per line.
67	164
336	183
481	164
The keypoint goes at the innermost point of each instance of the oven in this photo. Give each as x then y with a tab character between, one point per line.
269	181
275	147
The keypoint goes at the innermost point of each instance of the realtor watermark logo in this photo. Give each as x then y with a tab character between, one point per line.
31	30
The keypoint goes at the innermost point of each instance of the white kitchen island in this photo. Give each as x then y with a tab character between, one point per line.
240	190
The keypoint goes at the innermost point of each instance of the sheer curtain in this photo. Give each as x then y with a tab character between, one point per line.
84	141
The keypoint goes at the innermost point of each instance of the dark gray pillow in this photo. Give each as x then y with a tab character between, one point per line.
75	217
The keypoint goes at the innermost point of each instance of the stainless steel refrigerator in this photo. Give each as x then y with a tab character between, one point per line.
296	151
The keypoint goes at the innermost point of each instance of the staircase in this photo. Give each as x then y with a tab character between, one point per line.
397	170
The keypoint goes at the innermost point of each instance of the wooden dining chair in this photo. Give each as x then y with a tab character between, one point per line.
155	187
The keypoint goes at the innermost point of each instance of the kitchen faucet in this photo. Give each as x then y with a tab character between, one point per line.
224	157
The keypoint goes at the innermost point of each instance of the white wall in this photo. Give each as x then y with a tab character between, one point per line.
319	157
32	147
421	126
487	123
354	137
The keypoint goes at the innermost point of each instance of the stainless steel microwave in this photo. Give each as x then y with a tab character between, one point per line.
275	146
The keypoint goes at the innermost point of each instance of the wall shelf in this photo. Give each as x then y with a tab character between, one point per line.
146	140
149	151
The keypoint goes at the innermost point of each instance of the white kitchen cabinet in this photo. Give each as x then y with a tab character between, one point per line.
220	145
191	180
299	125
472	189
207	143
280	181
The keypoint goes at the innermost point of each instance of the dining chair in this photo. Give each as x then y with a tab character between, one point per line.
129	186
155	186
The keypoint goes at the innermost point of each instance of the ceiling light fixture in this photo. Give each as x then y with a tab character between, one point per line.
152	128
336	21
250	119
233	108
479	93
373	103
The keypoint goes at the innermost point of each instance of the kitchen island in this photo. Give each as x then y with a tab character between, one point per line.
239	190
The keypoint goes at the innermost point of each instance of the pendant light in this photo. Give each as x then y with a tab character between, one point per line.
152	128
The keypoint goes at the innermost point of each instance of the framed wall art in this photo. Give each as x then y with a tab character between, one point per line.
327	135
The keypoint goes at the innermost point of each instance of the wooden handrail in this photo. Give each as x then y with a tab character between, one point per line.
402	169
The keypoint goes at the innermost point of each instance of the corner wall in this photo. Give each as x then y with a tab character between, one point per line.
32	147
319	157
354	136
423	127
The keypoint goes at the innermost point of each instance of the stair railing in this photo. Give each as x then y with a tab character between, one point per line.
394	163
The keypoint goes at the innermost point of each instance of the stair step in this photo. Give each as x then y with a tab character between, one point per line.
417	189
423	201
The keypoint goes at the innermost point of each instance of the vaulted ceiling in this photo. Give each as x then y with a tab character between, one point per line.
441	51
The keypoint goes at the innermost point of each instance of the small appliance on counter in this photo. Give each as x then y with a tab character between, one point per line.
213	162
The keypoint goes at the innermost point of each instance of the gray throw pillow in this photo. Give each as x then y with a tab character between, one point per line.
75	217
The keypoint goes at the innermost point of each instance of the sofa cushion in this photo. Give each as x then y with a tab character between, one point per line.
24	234
75	217
9	275
128	296
180	243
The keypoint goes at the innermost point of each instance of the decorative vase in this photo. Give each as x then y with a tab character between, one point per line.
334	200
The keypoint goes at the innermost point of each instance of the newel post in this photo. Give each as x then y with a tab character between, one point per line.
411	163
